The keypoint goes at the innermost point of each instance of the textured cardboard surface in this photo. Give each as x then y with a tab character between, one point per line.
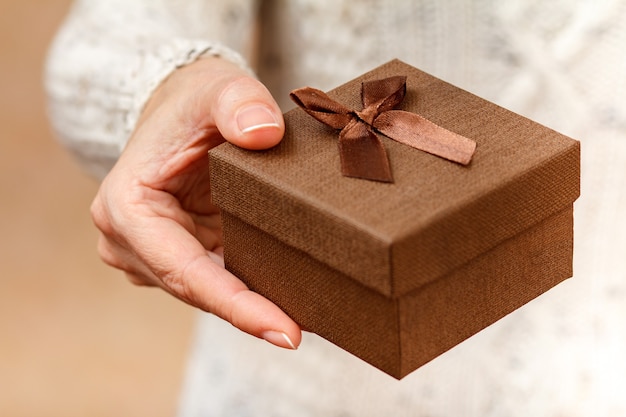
395	241
397	335
436	216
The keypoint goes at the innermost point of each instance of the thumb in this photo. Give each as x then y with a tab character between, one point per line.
246	114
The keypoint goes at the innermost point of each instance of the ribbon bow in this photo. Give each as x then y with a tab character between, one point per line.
361	151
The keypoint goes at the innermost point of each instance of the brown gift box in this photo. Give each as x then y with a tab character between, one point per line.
398	273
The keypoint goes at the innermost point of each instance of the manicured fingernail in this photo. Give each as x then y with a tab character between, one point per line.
255	117
279	339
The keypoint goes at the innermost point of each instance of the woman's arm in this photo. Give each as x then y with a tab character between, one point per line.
130	97
110	55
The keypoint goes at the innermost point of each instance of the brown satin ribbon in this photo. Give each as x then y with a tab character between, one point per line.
361	151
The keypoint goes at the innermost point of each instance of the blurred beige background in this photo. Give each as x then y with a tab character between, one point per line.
76	339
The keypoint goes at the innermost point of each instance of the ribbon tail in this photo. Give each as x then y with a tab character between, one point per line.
420	133
362	154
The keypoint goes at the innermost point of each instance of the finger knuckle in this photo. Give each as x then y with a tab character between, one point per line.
138	280
99	216
181	286
107	255
182	283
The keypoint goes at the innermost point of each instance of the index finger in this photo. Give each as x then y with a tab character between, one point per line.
185	269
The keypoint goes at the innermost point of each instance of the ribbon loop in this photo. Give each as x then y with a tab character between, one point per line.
361	152
386	94
321	107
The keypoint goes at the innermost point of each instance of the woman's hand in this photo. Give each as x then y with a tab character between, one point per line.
154	209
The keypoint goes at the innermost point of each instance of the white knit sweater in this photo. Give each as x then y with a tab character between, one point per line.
562	63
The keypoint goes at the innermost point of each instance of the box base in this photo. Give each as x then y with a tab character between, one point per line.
398	335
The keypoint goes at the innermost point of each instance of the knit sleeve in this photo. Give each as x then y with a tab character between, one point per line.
109	56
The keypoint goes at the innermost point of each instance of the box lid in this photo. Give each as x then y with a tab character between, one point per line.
436	215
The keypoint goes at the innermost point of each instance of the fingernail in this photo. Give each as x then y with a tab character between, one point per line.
255	117
279	339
